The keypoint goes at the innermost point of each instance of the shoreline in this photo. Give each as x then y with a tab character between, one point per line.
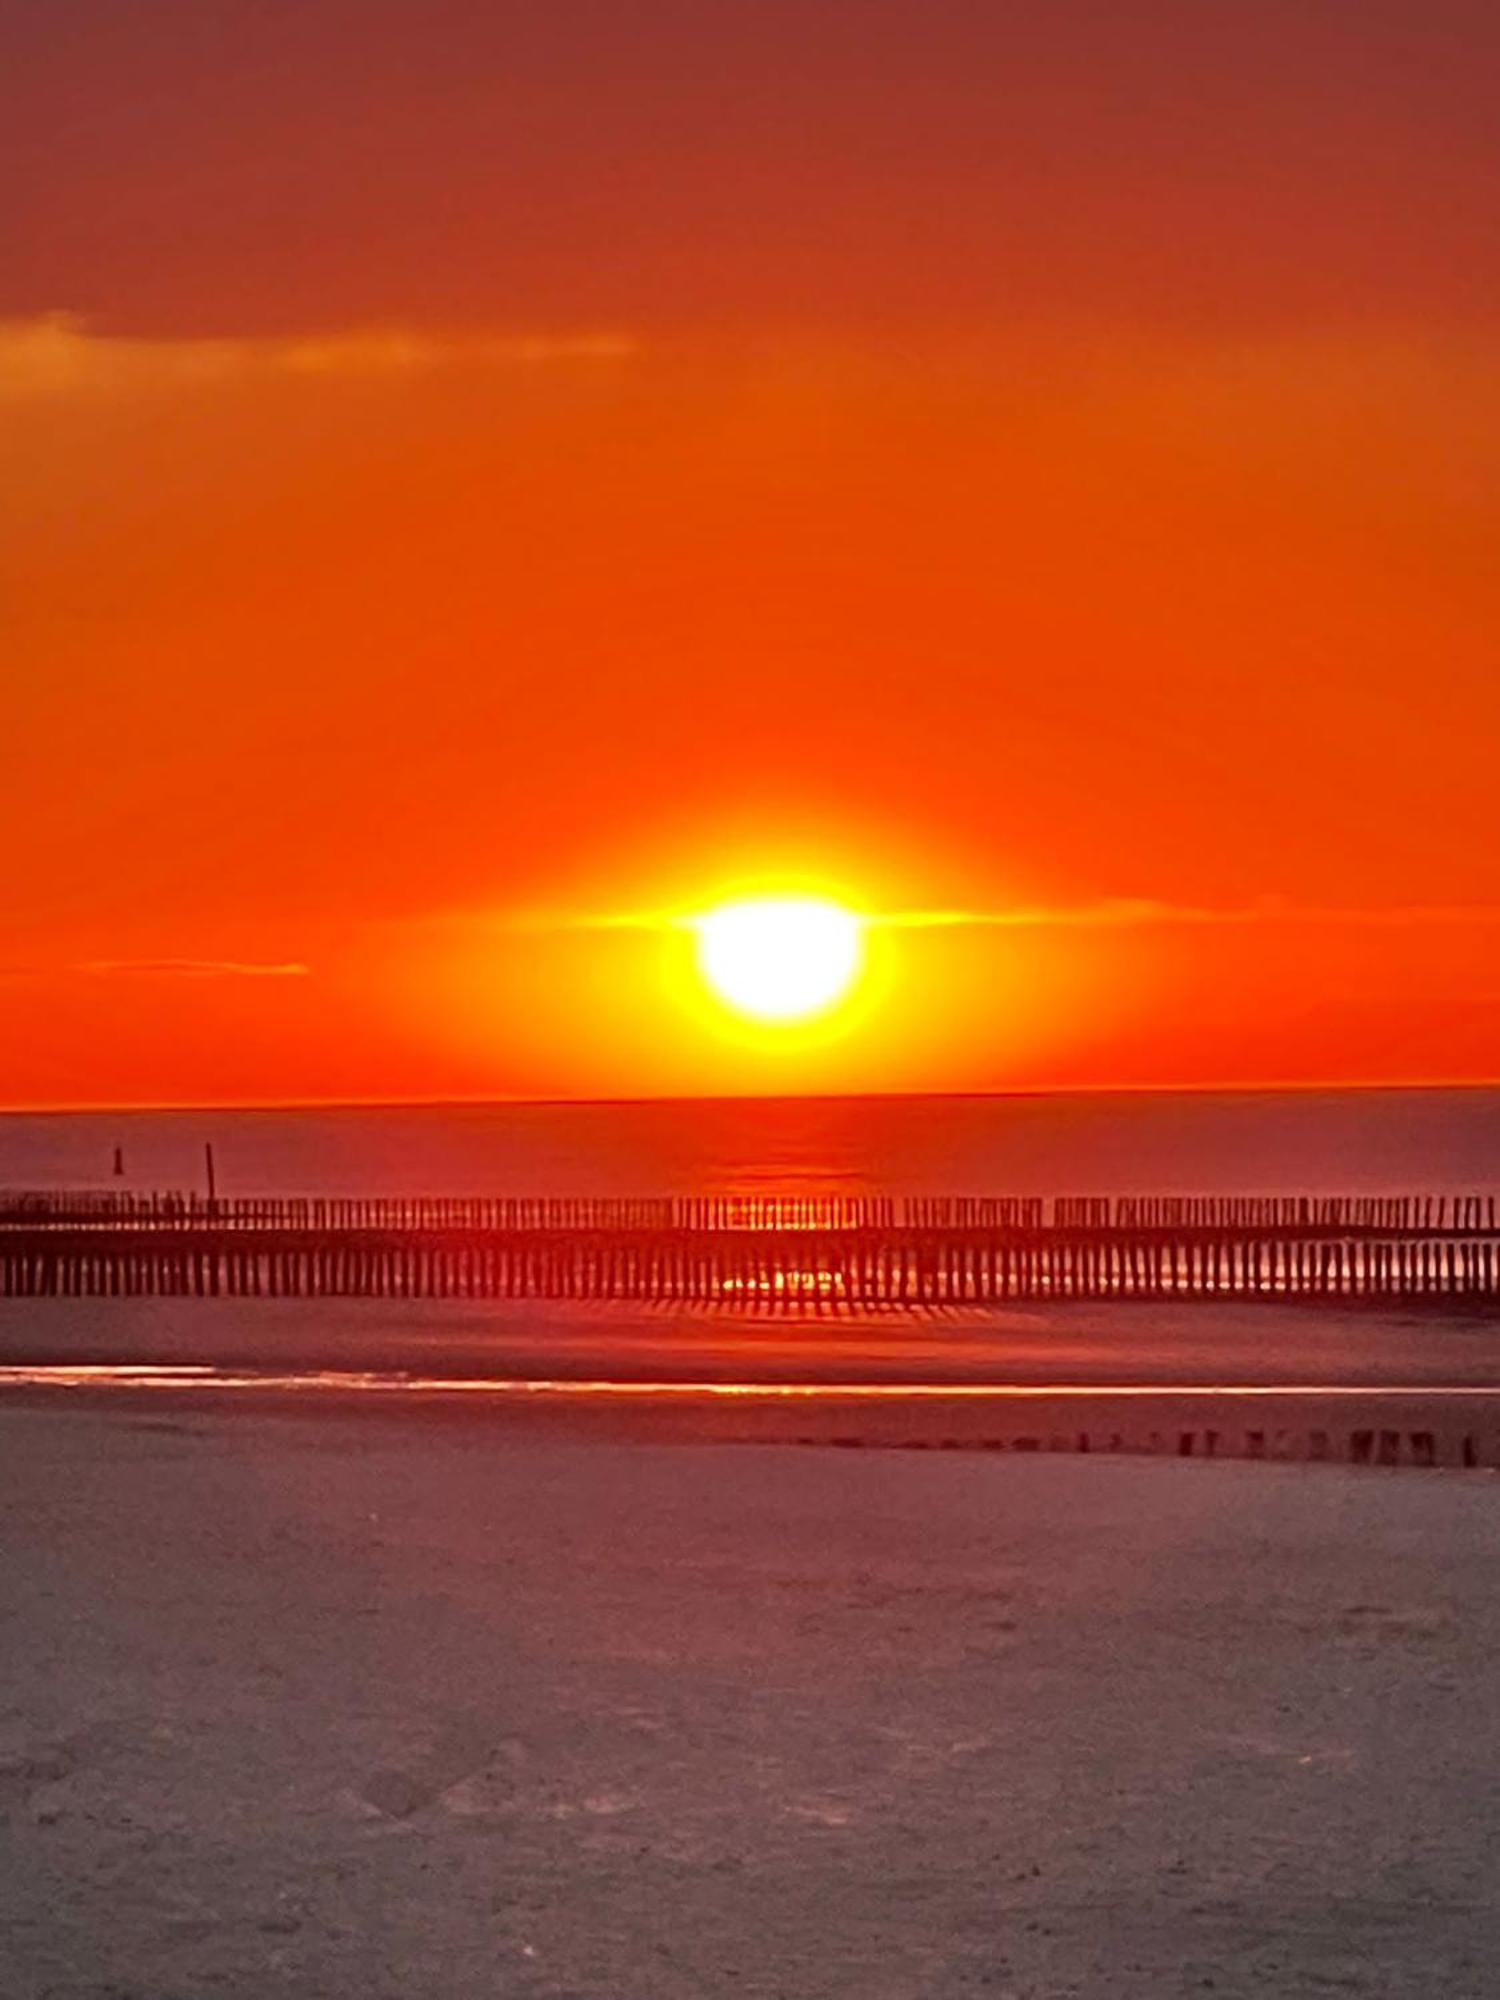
1254	1380
1431	1430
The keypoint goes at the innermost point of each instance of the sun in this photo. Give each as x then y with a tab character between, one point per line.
780	958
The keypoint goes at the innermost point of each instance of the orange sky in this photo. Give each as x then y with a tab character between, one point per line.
467	471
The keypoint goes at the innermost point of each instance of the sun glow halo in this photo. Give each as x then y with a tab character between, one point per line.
780	958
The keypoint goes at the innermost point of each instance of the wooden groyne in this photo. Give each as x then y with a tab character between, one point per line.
1392	1213
855	1251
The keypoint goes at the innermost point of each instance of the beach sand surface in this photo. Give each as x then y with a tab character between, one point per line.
322	1705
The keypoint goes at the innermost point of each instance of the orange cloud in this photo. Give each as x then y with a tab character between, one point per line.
57	354
162	968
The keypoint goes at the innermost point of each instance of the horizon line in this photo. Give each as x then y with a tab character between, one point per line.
1273	1088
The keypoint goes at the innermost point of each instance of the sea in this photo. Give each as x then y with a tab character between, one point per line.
1255	1142
1374	1141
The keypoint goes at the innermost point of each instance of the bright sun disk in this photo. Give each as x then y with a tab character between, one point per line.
779	958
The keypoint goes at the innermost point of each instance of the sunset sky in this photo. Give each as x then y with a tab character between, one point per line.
474	473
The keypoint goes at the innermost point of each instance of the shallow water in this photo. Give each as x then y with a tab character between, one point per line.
1163	1344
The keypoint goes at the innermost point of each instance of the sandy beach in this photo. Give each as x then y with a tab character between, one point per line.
331	1705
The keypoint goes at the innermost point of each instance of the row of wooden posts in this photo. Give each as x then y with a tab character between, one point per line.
896	1266
700	1214
1360	1445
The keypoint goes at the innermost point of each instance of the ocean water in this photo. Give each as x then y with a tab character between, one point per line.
1365	1142
1362	1142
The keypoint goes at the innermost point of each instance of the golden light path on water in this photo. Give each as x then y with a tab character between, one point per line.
146	1376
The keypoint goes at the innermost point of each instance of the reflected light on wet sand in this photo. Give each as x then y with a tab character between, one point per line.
133	1375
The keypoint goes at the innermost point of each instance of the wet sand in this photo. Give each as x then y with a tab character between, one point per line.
336	1705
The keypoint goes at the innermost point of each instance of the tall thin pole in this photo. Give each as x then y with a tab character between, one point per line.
208	1161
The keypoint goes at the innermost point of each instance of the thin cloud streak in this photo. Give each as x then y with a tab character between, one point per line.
56	354
162	968
1139	913
194	968
1124	913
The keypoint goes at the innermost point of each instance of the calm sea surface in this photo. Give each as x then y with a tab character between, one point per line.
1264	1142
1360	1142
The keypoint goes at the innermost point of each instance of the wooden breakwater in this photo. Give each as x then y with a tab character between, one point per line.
1403	1214
857	1251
